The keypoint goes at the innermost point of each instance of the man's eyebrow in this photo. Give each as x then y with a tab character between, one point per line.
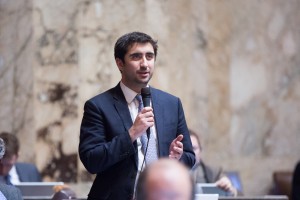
149	52
133	54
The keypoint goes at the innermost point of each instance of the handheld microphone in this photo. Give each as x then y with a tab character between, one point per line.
146	96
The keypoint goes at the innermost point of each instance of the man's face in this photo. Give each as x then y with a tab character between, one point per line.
138	66
6	164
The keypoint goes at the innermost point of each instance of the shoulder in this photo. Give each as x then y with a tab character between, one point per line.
10	192
161	92
107	96
163	96
21	166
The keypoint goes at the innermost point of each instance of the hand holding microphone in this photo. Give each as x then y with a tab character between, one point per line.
145	118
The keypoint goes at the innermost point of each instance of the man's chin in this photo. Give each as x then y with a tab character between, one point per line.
144	82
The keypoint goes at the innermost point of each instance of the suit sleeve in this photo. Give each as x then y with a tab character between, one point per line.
100	147
296	183
188	156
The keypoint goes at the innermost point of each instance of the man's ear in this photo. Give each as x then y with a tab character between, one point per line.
120	64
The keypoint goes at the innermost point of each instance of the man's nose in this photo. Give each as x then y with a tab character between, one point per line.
144	62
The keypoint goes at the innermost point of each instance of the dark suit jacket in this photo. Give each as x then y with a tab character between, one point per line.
28	172
10	192
105	146
296	183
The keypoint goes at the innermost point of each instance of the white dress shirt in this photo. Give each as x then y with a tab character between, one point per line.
133	106
14	177
2	197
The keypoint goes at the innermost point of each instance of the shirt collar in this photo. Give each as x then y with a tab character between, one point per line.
128	93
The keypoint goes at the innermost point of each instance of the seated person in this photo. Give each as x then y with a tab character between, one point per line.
165	179
8	192
296	183
205	174
11	171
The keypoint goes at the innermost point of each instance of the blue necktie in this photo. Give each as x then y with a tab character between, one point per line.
150	153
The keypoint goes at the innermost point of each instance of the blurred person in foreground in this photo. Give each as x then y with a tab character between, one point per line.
8	192
203	173
115	123
11	171
165	179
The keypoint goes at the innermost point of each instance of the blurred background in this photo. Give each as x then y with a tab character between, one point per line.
234	64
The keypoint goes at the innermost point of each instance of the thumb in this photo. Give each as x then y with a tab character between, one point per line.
179	138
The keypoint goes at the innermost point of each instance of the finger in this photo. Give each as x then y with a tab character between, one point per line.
179	144
147	109
174	157
171	154
179	138
223	184
178	149
179	153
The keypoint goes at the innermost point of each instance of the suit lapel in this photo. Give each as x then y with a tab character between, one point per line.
122	109
158	110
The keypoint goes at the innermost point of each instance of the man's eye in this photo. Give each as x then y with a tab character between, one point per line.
149	56
136	56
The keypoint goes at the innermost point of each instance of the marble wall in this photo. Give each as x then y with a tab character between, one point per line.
233	63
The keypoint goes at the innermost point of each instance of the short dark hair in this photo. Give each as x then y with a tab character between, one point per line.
126	41
12	145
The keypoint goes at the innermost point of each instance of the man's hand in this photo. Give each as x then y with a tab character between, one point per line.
142	122
226	185
176	148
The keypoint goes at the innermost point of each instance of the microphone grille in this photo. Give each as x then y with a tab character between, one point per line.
146	91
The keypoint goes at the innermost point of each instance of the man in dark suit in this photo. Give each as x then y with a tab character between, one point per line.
8	192
113	124
11	171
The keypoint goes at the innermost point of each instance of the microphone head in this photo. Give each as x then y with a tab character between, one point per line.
146	96
145	92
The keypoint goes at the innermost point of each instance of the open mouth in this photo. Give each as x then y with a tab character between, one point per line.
143	74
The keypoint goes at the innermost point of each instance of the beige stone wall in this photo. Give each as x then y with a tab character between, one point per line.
234	64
